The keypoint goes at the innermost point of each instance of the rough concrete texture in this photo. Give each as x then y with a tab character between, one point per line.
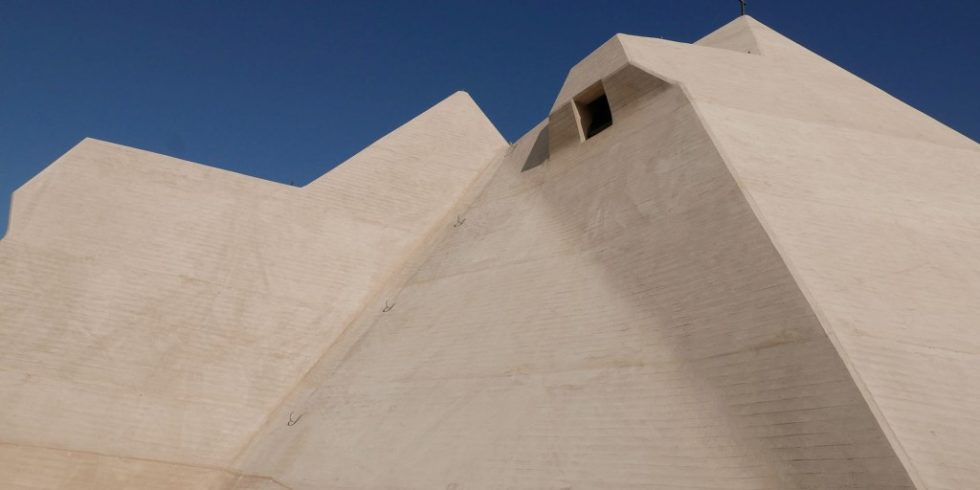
764	274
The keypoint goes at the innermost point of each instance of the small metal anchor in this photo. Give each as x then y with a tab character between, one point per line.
387	307
293	421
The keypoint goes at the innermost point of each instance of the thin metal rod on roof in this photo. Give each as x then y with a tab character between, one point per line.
742	4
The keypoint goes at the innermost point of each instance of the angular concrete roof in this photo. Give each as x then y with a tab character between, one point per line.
763	275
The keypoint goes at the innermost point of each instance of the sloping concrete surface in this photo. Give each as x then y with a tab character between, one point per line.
874	207
613	318
159	310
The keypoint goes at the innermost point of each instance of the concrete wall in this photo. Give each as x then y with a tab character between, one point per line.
615	317
157	310
875	208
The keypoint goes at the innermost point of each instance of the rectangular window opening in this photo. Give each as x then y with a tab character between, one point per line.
594	113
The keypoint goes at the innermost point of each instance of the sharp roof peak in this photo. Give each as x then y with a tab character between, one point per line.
740	34
743	34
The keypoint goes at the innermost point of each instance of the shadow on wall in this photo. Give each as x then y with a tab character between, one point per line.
539	151
6	203
678	241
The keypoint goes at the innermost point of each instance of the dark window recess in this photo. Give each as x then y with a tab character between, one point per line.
597	114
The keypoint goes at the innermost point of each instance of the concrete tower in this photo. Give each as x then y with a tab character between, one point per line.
730	264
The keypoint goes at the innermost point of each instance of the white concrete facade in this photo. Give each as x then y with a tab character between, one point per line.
764	274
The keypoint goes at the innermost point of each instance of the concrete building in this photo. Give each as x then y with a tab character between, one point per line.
727	264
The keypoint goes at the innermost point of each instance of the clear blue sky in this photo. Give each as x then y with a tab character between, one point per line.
286	90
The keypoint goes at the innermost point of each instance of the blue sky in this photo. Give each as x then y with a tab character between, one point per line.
287	90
